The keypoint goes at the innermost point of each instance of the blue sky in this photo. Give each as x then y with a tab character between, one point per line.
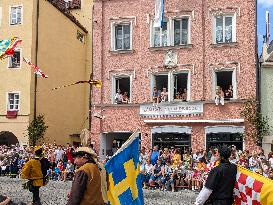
263	6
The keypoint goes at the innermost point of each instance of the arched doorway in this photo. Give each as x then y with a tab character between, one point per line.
8	138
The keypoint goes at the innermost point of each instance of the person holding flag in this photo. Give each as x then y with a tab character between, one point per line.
219	186
86	188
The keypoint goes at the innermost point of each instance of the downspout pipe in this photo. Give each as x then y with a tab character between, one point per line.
91	73
36	58
258	66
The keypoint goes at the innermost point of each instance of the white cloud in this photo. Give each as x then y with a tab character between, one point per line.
266	3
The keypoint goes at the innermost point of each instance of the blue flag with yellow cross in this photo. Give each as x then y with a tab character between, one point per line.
125	185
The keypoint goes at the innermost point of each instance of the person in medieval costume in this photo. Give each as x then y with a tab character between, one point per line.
218	189
35	170
87	187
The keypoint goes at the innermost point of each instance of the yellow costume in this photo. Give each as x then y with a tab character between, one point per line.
33	171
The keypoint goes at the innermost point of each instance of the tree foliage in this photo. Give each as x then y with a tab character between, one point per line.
36	129
257	120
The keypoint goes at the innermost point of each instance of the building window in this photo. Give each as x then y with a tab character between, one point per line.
80	36
180	86
122	36
181	31
224	29
122	90
170	86
177	140
16	15
225	84
160	35
160	88
15	60
13	101
215	140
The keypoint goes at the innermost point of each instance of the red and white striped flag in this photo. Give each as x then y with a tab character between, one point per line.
36	69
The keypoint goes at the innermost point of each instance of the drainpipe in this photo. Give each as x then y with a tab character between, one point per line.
102	61
91	74
258	67
36	59
204	47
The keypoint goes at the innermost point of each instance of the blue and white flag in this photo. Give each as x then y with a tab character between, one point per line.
159	13
125	184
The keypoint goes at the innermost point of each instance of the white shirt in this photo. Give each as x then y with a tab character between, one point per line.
59	154
148	168
203	196
118	97
271	162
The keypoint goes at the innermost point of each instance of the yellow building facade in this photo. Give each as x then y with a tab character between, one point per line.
57	43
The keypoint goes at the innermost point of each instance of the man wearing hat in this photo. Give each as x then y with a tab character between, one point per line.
35	170
218	189
86	188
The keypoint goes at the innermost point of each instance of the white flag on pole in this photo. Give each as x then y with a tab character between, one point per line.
159	13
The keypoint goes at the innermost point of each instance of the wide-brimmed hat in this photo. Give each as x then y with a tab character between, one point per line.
85	150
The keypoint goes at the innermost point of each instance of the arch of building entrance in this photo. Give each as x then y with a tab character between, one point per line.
8	138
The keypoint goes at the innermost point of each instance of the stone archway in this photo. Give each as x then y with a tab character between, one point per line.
8	138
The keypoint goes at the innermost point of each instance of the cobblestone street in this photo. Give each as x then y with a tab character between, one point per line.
56	193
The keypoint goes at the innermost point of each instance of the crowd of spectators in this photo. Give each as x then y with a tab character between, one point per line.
173	169
13	158
159	96
166	169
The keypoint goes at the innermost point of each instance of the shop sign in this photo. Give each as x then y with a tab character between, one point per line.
171	109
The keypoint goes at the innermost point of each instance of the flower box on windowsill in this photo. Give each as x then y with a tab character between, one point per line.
11	114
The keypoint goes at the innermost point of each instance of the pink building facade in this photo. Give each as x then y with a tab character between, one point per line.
203	47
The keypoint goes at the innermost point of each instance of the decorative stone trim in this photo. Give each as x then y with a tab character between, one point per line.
229	129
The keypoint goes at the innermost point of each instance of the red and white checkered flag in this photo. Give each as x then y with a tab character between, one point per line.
252	189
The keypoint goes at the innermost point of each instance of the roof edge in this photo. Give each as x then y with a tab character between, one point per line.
68	14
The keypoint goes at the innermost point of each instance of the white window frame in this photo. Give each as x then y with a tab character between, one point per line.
234	38
113	35
168	33
188	84
234	82
170	88
153	83
114	77
8	103
21	58
189	29
22	14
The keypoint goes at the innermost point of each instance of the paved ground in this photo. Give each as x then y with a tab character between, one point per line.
55	194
